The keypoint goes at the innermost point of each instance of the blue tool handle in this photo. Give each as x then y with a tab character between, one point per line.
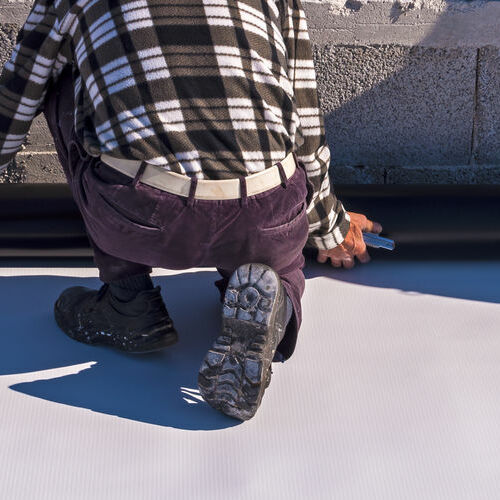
376	241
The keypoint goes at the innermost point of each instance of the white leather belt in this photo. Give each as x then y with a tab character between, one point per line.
206	189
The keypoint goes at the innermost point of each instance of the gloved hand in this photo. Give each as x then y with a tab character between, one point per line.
353	244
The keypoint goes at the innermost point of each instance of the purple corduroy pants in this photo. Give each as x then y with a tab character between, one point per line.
133	227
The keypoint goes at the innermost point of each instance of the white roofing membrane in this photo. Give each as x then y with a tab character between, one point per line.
392	393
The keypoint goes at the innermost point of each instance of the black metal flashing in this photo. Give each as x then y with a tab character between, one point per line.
427	222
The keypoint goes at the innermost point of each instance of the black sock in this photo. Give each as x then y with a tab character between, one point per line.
127	288
289	311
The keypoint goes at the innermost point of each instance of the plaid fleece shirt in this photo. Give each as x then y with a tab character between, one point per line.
212	88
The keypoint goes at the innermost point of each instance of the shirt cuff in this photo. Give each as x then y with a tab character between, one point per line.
334	237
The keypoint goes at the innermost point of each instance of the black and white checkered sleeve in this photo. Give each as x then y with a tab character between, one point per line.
25	76
328	220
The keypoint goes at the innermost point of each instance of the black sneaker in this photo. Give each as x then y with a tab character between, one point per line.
237	369
98	317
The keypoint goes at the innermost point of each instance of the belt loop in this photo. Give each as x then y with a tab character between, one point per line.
283	178
298	163
243	192
192	191
139	172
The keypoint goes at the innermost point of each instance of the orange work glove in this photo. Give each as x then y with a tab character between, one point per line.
353	244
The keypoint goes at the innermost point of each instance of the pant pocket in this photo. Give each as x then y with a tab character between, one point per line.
287	208
126	216
294	219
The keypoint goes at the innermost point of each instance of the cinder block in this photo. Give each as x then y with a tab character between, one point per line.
487	143
39	138
394	105
343	174
14	173
34	167
42	167
462	174
423	23
14	12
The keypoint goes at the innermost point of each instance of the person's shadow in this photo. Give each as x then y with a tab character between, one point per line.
38	359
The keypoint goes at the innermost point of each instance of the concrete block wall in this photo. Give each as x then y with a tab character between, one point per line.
410	90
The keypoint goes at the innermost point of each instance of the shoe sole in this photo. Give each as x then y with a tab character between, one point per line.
236	370
113	339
